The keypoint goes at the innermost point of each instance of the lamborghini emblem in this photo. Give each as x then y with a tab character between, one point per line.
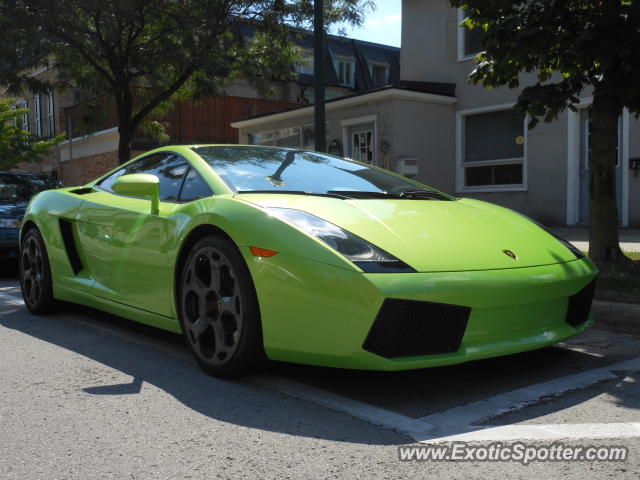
509	253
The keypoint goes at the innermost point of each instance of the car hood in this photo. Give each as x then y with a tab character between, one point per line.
13	210
432	235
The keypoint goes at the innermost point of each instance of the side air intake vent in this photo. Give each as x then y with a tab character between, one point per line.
409	328
82	191
580	305
66	230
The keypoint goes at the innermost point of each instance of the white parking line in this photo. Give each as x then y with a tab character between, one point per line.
538	432
459	423
476	412
354	408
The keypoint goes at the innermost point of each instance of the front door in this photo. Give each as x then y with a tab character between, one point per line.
583	131
362	143
126	248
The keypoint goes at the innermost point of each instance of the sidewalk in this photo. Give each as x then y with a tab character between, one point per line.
579	236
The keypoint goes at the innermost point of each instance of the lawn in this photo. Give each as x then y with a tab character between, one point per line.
633	255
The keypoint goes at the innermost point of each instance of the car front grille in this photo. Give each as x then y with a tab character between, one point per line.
409	328
580	305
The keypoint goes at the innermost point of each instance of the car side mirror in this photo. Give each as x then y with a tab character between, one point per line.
140	185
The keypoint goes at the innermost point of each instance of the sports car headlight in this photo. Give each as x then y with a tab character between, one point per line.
368	257
9	223
575	250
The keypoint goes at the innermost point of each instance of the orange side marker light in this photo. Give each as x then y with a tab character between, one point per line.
262	252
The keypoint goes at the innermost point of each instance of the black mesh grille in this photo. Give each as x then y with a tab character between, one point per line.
408	328
580	305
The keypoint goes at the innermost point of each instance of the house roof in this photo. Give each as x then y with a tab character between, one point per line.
363	53
438	93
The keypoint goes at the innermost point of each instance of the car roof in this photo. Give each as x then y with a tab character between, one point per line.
25	174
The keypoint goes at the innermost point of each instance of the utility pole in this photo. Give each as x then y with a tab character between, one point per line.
318	68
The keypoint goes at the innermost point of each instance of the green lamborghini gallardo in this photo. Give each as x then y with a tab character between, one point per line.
257	253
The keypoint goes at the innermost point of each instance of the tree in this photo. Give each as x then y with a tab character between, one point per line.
145	52
571	47
16	144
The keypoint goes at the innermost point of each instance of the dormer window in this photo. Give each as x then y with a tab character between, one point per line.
306	67
346	71
379	75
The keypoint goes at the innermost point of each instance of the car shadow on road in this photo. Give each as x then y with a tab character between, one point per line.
161	359
419	393
8	269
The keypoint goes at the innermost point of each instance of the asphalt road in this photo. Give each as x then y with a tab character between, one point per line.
86	395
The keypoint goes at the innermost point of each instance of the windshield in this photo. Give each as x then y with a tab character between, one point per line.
20	188
250	169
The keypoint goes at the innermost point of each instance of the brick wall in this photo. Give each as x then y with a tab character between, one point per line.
89	168
85	169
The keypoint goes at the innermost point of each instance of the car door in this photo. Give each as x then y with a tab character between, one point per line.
125	246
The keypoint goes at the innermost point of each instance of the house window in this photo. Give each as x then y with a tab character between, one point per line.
346	69
469	40
292	137
284	137
380	75
264	138
493	150
306	68
37	119
51	124
25	117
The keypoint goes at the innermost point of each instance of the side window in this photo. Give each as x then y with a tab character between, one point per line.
194	187
168	167
136	167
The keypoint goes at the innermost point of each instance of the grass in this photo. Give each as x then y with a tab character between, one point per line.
631	255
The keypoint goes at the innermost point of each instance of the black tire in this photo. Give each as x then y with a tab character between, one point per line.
218	309
35	274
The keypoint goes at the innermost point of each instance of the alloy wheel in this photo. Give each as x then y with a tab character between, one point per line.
212	306
32	271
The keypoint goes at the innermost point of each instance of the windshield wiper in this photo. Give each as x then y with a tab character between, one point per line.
359	193
409	194
297	192
423	194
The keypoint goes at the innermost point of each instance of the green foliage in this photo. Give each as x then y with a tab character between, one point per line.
156	130
148	52
18	145
566	45
562	49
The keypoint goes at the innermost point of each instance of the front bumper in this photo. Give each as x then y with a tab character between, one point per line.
9	242
322	315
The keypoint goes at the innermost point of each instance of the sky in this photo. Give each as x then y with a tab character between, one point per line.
381	26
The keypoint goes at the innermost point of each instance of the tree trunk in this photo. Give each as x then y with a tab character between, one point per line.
124	143
124	109
604	246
